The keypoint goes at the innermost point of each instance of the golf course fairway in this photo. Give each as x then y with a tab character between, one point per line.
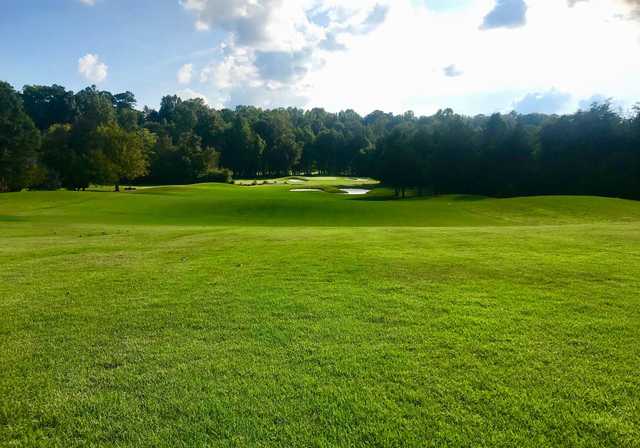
227	315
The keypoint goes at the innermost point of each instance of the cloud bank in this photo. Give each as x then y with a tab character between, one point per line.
397	55
549	102
272	45
632	6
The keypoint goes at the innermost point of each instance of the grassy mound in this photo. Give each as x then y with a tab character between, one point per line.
276	205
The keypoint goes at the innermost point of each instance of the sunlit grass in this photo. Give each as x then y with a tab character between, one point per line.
235	316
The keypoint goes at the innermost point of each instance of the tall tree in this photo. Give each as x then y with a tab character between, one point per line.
399	165
120	155
49	105
61	161
19	142
282	151
243	150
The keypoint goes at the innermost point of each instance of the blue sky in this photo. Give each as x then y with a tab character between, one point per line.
142	41
472	55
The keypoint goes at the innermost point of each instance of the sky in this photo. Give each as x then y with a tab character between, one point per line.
475	56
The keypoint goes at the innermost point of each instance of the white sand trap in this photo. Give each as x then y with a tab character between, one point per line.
354	191
296	181
302	190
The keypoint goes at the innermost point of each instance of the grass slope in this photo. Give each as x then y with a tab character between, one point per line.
228	205
253	316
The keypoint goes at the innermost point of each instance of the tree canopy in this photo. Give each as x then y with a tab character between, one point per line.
51	138
19	142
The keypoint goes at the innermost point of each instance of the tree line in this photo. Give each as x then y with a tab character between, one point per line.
53	138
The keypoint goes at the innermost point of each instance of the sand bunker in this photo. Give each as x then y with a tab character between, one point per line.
298	190
354	191
296	181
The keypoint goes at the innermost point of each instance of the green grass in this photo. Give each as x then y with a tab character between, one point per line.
217	315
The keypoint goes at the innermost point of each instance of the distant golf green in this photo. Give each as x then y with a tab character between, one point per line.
228	315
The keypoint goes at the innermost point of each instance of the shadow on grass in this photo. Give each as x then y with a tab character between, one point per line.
7	218
468	198
389	196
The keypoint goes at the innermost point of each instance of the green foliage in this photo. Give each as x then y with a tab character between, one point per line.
218	175
49	105
243	149
58	156
593	152
95	109
66	156
399	163
119	155
199	161
282	151
103	145
19	142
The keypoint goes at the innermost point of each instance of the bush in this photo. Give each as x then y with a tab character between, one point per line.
221	175
45	179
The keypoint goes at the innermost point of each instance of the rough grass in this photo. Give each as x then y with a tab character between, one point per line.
239	316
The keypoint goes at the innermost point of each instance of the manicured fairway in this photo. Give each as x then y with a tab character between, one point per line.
218	315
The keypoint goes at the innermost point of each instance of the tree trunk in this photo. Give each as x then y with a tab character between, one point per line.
117	188
403	192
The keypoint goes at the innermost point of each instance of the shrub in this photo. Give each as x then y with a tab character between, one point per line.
45	179
220	175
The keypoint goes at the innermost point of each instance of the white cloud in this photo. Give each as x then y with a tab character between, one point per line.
630	8
88	2
550	102
236	67
267	25
402	61
334	54
201	26
92	69
271	46
185	74
189	94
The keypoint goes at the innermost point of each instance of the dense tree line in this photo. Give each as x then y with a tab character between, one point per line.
52	138
594	152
